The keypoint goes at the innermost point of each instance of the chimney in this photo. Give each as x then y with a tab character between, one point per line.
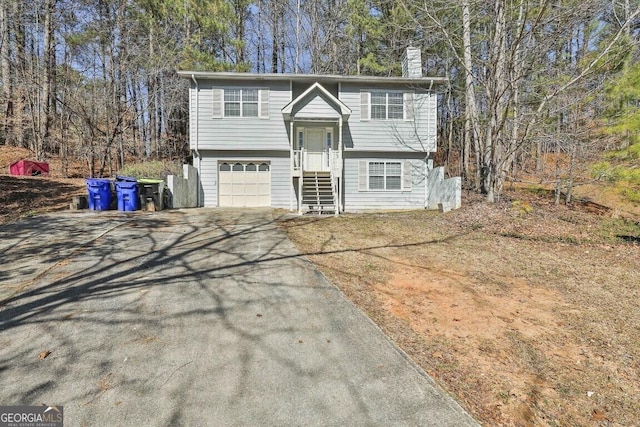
412	63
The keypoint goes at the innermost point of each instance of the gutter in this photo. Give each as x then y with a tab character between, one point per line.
422	81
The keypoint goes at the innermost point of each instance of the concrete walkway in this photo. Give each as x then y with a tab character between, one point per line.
199	317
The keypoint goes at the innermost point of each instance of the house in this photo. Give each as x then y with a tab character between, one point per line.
306	142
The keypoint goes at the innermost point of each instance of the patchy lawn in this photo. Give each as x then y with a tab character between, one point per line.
526	312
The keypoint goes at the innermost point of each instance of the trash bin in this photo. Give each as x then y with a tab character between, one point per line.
127	193
99	193
151	191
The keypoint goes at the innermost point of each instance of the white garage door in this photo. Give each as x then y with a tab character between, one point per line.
244	184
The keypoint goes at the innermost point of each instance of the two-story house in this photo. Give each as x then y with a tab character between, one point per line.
313	142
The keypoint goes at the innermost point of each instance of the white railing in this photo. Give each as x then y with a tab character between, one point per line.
335	167
297	160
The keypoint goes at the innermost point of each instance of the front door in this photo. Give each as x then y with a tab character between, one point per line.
316	150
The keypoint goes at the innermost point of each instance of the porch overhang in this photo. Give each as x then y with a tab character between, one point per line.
335	103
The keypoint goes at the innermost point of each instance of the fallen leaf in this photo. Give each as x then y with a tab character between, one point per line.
43	355
598	415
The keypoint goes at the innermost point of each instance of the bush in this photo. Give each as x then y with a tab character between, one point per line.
153	169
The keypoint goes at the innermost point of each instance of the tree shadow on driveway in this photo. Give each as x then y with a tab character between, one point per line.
163	316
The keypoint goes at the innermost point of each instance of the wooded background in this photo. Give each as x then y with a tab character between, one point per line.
529	81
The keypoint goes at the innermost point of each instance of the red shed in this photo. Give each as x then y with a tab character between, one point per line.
29	168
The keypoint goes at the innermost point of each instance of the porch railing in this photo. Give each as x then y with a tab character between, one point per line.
297	161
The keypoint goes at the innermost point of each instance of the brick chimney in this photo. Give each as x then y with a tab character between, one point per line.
412	63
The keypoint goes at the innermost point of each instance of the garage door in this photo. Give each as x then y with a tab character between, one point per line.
244	184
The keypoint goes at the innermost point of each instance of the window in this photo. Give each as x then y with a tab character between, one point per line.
387	105
241	102
385	176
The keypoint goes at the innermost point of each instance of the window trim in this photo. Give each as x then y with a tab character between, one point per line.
385	176
241	102
386	104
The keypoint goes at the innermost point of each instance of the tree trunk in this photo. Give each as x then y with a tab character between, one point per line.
471	134
5	69
49	78
20	73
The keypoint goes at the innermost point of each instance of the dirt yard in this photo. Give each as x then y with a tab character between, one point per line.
527	313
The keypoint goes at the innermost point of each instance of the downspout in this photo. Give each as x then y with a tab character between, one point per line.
291	161
426	181
196	133
340	207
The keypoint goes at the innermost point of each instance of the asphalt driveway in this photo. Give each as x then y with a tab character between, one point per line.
198	317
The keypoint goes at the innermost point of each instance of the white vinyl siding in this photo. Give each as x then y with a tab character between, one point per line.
314	107
214	132
357	196
416	133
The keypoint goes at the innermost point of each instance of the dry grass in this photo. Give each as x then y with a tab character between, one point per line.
526	312
27	196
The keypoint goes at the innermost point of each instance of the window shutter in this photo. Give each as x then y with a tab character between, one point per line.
409	107
407	176
364	106
217	103
264	103
362	175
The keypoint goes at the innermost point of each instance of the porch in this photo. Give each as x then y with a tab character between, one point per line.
315	126
317	166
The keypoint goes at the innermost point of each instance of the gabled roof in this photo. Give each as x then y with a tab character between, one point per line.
337	104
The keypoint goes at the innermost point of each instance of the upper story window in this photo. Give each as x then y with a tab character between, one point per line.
377	104
387	105
241	102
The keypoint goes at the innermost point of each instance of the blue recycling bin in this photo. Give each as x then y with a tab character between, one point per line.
99	194
127	193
